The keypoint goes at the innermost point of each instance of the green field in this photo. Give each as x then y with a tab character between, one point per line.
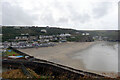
10	53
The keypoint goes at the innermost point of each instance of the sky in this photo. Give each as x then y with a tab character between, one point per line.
75	14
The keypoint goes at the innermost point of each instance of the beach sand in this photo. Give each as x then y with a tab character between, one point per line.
63	54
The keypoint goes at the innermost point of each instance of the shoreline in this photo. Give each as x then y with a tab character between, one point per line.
61	53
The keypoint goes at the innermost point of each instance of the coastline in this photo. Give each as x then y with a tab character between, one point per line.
61	53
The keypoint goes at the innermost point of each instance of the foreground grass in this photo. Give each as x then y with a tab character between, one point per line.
17	74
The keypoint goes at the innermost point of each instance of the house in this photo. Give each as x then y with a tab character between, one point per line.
83	34
87	34
45	38
43	31
22	37
32	38
64	35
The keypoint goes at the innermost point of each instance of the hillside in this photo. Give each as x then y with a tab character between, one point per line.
10	32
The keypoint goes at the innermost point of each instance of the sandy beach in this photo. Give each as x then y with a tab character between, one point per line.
61	53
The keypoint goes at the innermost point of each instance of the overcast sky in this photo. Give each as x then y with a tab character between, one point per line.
76	14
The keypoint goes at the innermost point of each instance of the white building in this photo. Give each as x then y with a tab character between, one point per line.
43	30
64	35
85	34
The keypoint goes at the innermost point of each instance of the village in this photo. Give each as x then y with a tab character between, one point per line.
25	40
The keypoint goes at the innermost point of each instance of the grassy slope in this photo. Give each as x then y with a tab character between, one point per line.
7	53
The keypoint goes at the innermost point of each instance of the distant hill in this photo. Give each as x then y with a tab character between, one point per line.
10	32
111	34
